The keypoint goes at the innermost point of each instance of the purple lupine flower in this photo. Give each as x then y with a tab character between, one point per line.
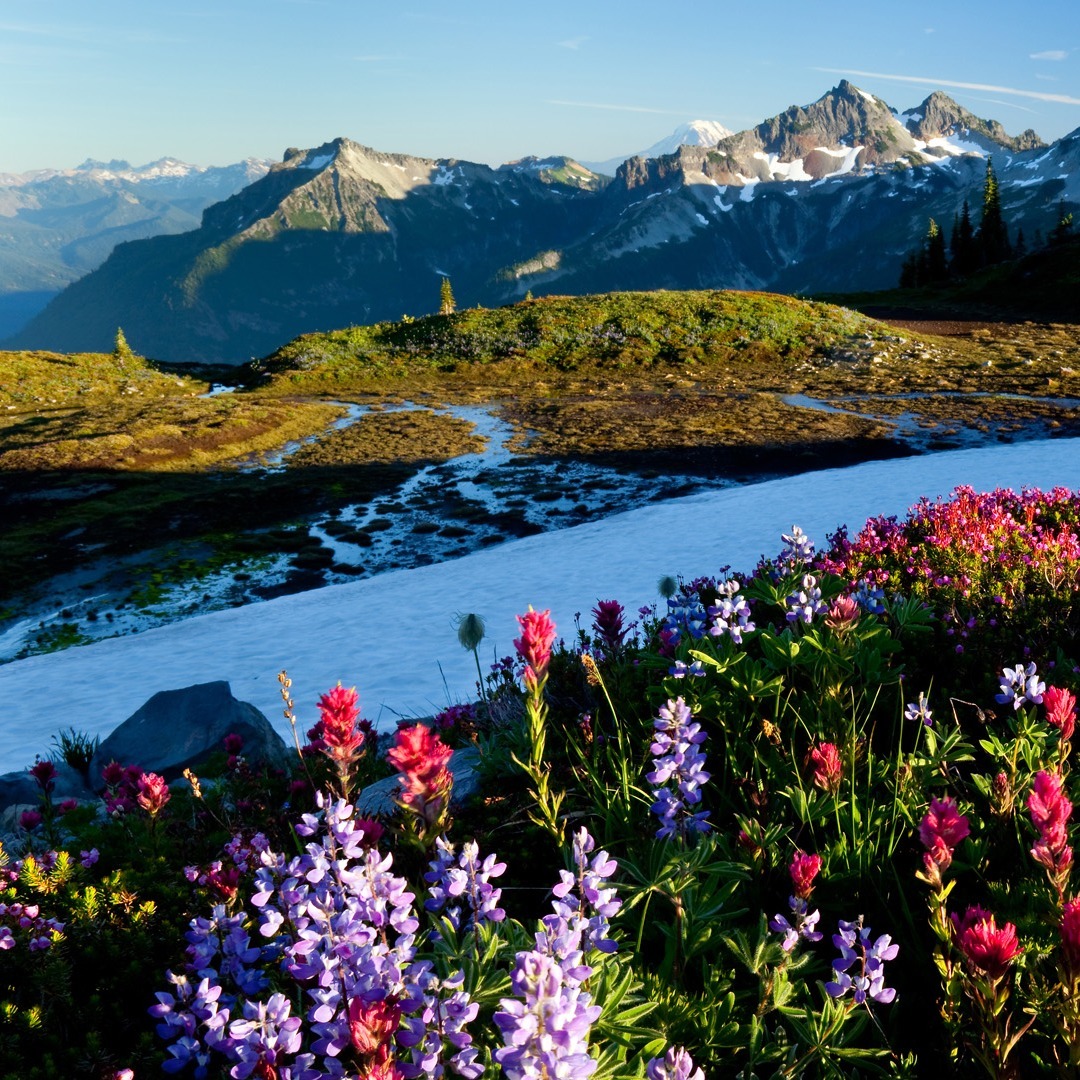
678	771
804	604
680	669
1020	684
731	613
266	1031
466	879
919	710
593	903
686	614
802	924
338	922
870	598
868	961
798	547
676	1064
545	1029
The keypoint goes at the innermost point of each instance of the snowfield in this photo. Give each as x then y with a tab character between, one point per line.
393	636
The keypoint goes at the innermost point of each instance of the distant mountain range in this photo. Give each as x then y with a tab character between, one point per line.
58	224
826	197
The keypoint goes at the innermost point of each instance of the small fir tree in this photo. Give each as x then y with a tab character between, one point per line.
964	251
993	236
446	298
122	351
937	267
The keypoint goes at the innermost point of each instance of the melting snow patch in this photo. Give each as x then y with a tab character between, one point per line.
749	183
318	162
702	218
956	147
443	177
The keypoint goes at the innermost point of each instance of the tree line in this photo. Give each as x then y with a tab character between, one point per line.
969	247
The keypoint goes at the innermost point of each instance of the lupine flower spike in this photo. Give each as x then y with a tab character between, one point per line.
678	771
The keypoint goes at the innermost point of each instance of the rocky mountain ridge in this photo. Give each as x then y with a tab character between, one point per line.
828	196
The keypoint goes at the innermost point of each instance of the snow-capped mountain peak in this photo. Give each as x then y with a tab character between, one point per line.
692	133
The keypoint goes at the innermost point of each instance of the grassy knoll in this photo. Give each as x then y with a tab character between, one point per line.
30	380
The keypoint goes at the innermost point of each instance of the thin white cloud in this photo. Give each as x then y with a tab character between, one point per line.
573	43
925	80
614	108
1050	54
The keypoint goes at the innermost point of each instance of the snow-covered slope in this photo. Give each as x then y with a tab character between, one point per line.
393	636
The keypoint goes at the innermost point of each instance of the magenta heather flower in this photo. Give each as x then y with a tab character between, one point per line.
678	771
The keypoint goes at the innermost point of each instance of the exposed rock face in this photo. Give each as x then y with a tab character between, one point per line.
940	116
178	729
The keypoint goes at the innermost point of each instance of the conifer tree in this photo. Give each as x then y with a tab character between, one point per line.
993	237
446	298
122	352
937	267
965	252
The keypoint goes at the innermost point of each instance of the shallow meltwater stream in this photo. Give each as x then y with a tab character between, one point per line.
441	512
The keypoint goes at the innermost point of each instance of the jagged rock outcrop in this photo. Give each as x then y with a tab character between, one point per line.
939	116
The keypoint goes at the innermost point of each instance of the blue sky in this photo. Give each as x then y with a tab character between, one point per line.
213	81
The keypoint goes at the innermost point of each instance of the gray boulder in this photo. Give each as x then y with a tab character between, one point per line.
180	729
21	789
